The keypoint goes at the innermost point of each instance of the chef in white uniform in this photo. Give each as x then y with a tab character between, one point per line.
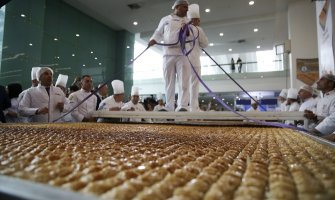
201	42
326	105
133	104
83	113
292	104
253	106
175	63
45	102
34	82
113	102
306	95
61	83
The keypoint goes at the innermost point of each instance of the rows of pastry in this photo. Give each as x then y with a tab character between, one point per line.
131	161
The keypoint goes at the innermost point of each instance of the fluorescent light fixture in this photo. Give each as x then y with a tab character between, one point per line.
31	44
258	47
221	34
135	23
77	35
55	39
251	3
255	29
230	49
211	44
207	10
23	15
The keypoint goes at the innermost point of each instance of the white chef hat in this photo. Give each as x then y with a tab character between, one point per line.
33	72
62	80
193	11
330	77
292	93
135	91
283	93
118	87
307	88
179	2
41	70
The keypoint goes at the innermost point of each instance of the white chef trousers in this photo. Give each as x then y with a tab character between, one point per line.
194	90
176	67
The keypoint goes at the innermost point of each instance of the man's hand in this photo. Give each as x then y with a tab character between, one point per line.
42	111
152	42
310	115
115	109
131	109
60	106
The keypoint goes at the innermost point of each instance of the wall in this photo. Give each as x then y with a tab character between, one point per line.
98	51
303	35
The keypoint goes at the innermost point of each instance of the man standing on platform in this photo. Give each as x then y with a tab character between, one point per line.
194	56
175	63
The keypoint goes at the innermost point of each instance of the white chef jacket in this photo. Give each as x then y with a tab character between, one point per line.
159	107
292	108
326	105
108	103
137	107
168	31
37	97
327	126
67	108
309	104
84	110
14	108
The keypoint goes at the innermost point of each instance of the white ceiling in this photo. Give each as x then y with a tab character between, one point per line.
235	18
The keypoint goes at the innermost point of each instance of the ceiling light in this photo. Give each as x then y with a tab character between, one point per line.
95	58
255	29
30	44
251	3
77	35
262	76
128	47
23	15
258	47
55	39
135	23
230	49
211	44
207	10
84	65
91	52
221	34
213	97
73	54
99	63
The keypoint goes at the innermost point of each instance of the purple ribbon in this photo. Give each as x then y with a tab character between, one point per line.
183	40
